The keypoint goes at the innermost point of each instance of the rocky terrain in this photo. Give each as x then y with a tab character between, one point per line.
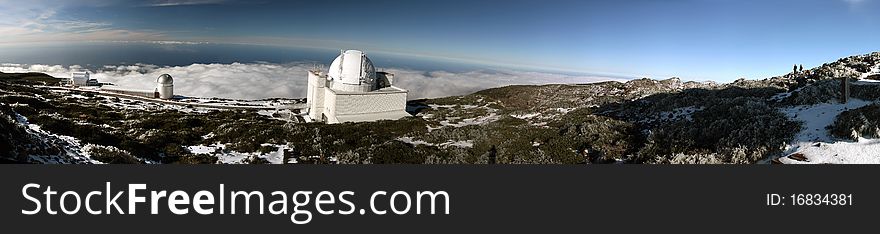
794	118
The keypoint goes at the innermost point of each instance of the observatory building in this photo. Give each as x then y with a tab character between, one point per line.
164	89
79	79
165	86
353	91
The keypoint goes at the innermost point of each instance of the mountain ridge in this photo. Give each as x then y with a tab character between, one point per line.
638	121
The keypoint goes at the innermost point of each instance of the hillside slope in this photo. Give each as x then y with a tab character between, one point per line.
794	118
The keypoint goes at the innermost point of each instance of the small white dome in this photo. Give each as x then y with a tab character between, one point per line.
165	79
352	67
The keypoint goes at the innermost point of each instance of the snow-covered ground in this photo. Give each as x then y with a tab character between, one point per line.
784	95
564	110
279	114
74	151
874	71
492	117
197	104
460	144
411	141
816	117
264	104
526	116
815	143
136	104
456	121
233	157
863	151
278	109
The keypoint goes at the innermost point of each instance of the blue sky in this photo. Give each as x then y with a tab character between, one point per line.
694	39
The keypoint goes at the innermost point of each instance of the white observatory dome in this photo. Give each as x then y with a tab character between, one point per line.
352	71
165	86
165	79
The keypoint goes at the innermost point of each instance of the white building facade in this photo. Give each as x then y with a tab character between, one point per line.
79	79
352	91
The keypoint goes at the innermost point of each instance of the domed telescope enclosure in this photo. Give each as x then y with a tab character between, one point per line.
352	71
353	91
165	86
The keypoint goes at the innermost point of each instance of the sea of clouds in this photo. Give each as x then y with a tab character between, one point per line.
269	80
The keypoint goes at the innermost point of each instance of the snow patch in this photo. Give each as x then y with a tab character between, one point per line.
460	144
278	114
492	117
526	116
817	146
863	151
409	140
816	117
874	71
232	157
73	149
276	157
202	149
564	110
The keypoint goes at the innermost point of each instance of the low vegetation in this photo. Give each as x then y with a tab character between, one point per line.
862	122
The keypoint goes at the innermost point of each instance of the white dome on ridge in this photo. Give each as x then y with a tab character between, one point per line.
165	86
164	79
352	67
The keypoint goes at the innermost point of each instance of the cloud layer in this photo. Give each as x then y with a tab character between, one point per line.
268	80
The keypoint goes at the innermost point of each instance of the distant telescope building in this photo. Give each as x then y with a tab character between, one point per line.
353	91
165	86
164	89
79	79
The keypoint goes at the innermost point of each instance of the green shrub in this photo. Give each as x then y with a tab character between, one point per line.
112	155
860	122
739	122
